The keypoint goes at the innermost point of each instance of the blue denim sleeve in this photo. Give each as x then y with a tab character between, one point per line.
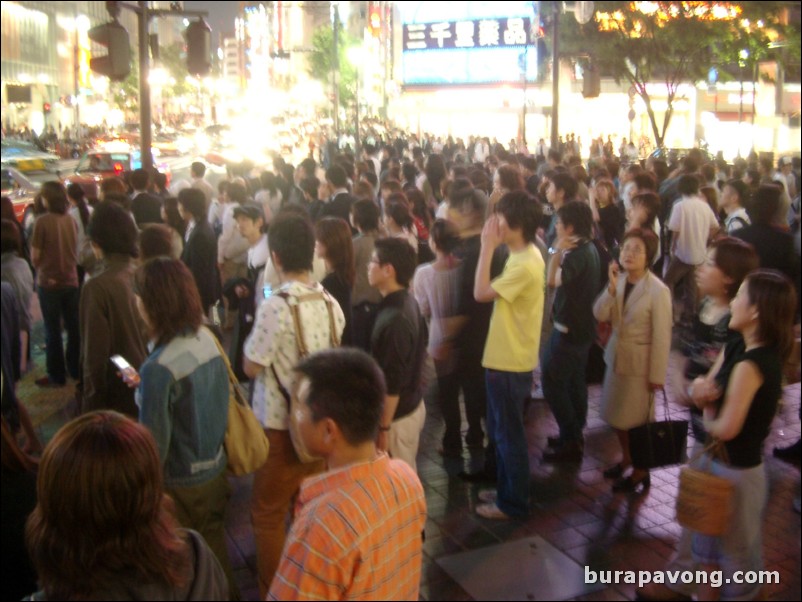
155	404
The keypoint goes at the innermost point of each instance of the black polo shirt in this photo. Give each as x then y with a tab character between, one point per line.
398	344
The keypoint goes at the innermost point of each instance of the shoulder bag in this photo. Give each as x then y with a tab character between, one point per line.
704	500
657	444
247	445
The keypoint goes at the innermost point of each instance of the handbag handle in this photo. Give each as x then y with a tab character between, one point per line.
233	381
717	449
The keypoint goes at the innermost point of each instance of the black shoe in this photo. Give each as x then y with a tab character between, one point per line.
567	452
480	476
629	485
614	472
790	454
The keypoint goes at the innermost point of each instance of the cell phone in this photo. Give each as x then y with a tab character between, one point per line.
127	371
267	291
121	363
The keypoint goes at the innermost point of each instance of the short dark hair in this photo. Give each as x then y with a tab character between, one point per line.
651	203
308	166
10	239
688	184
578	215
398	253
645	181
160	180
741	189
336	176
765	203
445	235
198	169
194	202
566	183
310	186
55	197
366	215
292	238
735	258
521	211
140	179
409	170
399	213
347	386
649	239
112	229
155	240
237	192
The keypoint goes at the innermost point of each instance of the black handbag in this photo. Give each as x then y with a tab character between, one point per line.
657	444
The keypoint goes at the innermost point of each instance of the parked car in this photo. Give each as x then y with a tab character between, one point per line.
25	156
21	191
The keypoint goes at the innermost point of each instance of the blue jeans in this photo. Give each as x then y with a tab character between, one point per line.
57	304
564	386
506	394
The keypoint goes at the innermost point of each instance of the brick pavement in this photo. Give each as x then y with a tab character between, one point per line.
572	508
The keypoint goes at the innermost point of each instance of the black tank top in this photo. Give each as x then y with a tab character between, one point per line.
746	449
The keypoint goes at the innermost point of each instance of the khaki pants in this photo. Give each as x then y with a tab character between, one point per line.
203	509
275	487
404	436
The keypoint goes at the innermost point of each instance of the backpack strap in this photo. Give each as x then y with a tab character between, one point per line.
294	303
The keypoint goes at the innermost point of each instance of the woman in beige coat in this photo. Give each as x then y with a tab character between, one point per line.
639	308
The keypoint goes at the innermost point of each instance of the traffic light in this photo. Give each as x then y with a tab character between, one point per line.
374	19
199	47
591	82
116	65
46	108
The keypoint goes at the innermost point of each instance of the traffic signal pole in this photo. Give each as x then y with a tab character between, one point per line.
145	115
144	15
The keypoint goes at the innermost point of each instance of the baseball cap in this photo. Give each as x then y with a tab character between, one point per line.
786	161
249	210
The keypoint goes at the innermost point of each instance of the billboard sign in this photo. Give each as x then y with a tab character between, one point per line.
469	43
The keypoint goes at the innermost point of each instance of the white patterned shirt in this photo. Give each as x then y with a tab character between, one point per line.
272	342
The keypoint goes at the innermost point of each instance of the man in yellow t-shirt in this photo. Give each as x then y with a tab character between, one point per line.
512	347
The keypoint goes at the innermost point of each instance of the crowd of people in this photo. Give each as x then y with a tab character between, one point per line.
338	288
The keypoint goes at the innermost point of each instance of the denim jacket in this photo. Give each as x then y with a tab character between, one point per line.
183	400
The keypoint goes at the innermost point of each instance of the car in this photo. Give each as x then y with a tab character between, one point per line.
674	155
26	157
98	165
22	192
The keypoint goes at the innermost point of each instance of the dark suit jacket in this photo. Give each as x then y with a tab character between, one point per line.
200	256
146	209
339	206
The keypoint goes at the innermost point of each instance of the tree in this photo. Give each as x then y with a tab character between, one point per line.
173	59
125	94
674	43
321	63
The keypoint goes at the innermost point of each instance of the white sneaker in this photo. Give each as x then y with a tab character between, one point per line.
488	496
492	512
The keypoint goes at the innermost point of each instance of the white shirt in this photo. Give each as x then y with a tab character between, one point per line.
736	220
692	219
272	343
231	246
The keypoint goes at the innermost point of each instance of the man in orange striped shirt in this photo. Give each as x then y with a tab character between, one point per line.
357	528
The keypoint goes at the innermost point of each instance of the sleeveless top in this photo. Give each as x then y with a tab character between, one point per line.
746	449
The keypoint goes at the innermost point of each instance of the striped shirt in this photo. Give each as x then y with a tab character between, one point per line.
356	536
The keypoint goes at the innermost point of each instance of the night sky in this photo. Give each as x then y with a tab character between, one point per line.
221	15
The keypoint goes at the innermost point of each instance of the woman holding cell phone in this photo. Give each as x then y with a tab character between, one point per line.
182	394
638	305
